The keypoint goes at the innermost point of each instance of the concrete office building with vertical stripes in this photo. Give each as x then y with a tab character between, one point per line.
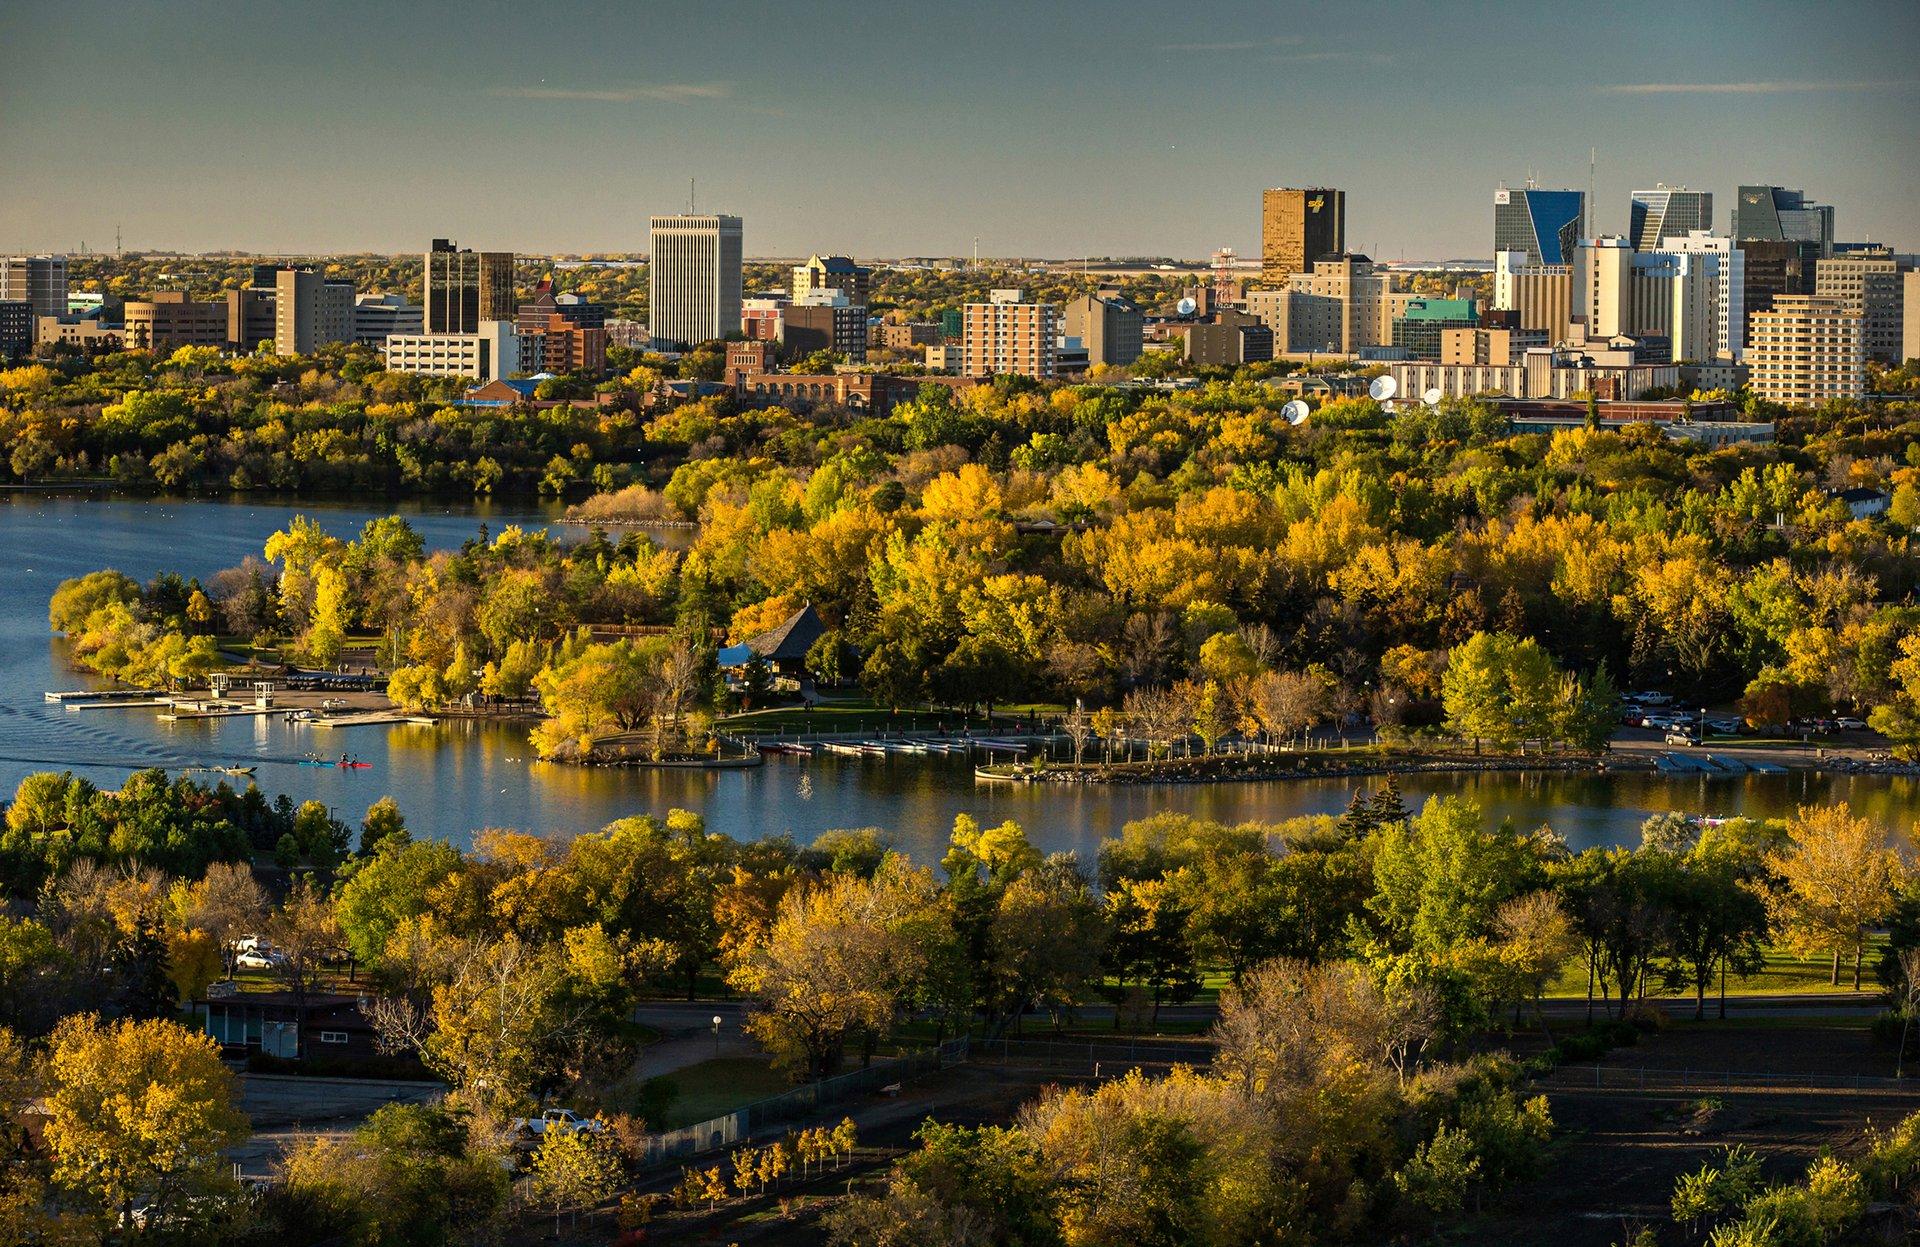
693	279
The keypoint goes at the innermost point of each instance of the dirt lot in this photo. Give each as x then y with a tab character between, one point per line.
1630	1125
1786	1087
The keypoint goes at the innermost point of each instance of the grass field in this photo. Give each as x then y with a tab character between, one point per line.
719	1086
1784	974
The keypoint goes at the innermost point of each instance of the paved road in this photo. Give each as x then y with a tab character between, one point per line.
687	1034
287	1108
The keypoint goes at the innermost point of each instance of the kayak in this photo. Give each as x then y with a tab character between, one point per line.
343	766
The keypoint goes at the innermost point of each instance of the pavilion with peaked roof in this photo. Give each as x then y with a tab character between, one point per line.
783	647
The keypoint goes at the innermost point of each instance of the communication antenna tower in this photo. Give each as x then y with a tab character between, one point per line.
1593	159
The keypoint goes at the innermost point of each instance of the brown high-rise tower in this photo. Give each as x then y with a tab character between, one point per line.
1298	227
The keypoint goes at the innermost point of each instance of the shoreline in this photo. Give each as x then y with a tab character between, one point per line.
1176	772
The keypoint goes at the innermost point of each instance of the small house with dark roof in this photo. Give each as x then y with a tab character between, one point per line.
1864	504
277	1022
783	648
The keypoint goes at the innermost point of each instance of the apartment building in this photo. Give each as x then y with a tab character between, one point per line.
1730	286
1483	346
560	346
824	321
1869	284
310	311
1805	350
1909	316
1010	336
16	328
1108	324
37	280
833	272
250	316
1233	339
904	337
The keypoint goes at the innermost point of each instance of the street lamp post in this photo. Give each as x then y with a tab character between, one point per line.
716	1034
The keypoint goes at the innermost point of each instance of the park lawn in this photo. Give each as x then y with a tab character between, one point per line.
1784	974
720	1086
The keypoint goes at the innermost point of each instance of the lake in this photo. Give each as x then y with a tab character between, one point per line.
454	779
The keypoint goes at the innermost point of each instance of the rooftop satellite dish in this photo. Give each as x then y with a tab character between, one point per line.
1387	406
1296	412
1186	307
1432	397
1382	389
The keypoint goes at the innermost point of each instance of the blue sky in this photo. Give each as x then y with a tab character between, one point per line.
911	128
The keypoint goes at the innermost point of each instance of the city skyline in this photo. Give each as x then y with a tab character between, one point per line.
326	131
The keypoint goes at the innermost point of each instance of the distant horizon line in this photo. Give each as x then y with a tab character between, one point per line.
642	256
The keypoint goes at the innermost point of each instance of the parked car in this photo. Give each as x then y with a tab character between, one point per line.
559	1119
1726	726
260	957
1651	699
1679	736
1847	723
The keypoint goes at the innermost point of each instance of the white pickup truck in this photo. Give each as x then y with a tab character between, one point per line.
559	1119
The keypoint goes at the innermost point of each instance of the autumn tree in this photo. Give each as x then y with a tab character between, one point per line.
305	935
1838	876
409	1174
138	1113
575	1169
838	959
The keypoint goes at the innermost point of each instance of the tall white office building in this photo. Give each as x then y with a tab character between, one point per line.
1730	302
1621	292
693	279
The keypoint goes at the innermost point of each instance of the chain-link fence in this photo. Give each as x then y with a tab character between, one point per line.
744	1122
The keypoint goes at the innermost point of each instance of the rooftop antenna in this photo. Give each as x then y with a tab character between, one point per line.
689	196
1593	158
116	240
976	251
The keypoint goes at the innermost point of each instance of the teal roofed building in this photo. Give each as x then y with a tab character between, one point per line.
1420	328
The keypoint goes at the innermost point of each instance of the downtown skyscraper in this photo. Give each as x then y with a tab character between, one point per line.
464	287
1544	225
1667	212
693	279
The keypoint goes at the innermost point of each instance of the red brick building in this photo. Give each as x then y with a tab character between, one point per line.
875	392
560	346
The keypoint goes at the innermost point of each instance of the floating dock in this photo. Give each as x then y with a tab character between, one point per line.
371	718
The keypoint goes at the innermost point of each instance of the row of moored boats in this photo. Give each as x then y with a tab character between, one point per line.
1714	764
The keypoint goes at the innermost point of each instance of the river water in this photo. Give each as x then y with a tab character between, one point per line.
454	779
